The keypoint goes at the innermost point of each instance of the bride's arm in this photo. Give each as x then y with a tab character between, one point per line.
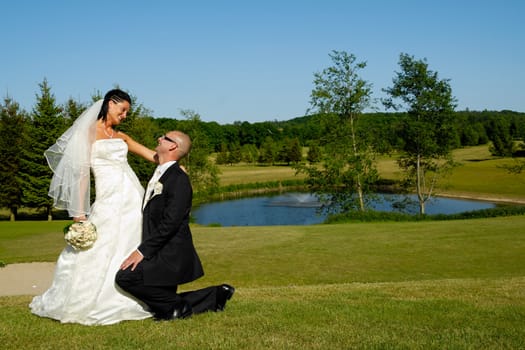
139	149
84	183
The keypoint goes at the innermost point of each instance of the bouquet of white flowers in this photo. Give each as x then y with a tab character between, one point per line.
80	235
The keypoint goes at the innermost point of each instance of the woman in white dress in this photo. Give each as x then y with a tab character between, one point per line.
83	289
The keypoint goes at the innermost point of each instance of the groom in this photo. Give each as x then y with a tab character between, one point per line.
167	257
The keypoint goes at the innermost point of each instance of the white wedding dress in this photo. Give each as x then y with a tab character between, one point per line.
83	289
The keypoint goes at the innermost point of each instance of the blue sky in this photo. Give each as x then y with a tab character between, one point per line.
255	60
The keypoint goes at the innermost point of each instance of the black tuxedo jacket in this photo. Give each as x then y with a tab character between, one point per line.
170	257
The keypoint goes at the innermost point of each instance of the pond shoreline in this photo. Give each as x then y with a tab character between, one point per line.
483	197
282	189
303	208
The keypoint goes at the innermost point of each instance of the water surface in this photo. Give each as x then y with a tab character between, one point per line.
302	209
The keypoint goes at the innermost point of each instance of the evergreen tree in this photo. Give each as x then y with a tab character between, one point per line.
12	123
291	151
314	153
267	152
72	110
295	151
250	154
234	155
222	156
45	126
500	136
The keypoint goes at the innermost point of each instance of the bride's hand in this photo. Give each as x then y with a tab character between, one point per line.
79	218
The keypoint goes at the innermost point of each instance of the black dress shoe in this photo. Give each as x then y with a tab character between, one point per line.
224	293
182	312
162	317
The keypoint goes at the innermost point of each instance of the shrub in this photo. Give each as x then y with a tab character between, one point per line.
372	215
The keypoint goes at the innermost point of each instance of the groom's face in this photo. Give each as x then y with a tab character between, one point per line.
166	143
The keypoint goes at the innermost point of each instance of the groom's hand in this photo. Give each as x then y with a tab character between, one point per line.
132	260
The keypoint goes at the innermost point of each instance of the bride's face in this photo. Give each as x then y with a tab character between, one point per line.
117	111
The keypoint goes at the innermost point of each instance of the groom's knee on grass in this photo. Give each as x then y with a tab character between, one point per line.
122	279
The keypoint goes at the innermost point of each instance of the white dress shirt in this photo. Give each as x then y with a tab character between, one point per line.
161	169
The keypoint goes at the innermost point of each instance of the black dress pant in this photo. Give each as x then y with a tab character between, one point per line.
163	300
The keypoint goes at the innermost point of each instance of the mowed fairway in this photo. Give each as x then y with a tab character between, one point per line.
244	174
446	284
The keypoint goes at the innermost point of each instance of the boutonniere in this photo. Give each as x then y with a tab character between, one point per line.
157	188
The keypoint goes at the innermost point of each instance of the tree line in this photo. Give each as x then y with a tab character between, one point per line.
341	140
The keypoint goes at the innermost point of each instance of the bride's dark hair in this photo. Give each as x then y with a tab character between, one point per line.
116	95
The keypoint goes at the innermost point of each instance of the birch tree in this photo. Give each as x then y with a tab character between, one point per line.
427	129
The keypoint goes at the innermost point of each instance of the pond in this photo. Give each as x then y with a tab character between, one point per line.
296	208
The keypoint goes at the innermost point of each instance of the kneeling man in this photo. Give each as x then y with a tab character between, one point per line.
167	257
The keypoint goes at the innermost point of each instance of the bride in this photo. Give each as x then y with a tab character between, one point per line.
83	289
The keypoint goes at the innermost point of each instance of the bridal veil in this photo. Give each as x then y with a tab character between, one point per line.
70	160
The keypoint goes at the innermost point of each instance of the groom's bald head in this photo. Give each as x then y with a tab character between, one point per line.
183	142
174	145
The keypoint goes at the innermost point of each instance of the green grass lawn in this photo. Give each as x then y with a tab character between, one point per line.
483	176
417	285
391	285
486	179
245	174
